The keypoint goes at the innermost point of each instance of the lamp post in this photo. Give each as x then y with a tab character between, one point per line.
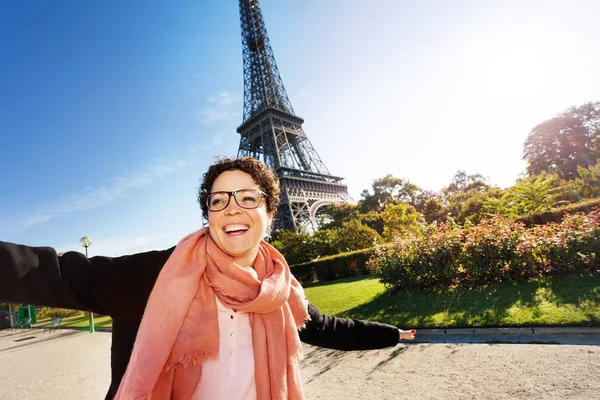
87	242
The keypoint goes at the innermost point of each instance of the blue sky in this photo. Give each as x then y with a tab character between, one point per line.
111	111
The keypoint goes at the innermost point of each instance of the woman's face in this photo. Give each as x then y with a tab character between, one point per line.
236	230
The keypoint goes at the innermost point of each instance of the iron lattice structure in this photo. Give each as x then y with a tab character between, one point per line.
271	132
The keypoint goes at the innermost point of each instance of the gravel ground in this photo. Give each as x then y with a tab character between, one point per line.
73	365
454	371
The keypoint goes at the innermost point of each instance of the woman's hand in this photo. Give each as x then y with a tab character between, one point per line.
407	335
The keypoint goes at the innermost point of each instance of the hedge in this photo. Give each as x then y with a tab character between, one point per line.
343	265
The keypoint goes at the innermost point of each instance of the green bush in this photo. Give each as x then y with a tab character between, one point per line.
352	263
494	250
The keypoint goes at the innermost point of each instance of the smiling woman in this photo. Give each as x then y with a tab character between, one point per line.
237	227
194	321
237	230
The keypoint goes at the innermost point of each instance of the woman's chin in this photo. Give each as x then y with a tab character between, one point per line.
244	257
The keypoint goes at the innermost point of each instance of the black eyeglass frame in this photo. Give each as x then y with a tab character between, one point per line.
234	195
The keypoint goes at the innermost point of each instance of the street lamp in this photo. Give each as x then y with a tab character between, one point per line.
87	242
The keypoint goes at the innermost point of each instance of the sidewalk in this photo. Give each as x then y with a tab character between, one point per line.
75	365
65	364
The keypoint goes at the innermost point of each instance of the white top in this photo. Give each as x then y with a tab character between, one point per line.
231	377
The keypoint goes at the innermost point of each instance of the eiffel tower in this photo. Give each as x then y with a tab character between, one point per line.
272	132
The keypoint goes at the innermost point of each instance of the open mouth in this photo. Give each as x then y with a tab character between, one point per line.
235	229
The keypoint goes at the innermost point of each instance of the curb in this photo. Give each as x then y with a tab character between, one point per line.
576	335
576	330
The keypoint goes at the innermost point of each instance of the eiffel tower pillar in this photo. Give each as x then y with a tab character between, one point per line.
271	132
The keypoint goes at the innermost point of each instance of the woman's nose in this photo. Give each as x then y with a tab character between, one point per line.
233	207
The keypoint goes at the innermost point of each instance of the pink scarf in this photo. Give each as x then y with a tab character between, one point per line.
179	330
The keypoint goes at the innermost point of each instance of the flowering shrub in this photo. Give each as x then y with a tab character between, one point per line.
494	250
419	262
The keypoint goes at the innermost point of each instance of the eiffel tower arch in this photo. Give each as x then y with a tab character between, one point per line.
272	132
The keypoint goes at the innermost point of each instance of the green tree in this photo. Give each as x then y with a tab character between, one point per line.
354	235
389	189
295	246
464	183
534	194
465	197
337	213
589	182
563	143
469	207
433	210
502	205
322	243
368	202
399	220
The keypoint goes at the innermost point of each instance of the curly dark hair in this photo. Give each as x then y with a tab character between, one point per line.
260	173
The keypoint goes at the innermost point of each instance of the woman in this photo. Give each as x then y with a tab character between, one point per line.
222	315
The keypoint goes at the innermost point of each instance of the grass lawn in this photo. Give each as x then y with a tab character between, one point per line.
567	301
78	321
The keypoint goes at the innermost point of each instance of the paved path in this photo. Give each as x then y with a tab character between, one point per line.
58	365
74	365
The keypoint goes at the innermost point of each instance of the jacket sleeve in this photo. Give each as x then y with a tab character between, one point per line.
37	275
347	334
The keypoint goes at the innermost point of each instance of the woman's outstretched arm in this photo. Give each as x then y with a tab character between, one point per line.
113	286
34	275
349	334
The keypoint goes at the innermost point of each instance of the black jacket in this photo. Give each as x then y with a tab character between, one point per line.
120	287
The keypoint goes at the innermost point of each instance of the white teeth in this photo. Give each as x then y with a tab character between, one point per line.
233	228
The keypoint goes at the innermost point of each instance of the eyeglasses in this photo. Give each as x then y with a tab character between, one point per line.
245	198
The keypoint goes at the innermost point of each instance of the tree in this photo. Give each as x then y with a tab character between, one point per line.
465	196
389	189
354	235
590	181
336	213
368	203
563	143
532	195
322	243
294	246
469	207
426	196
371	219
503	206
464	183
433	210
399	220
